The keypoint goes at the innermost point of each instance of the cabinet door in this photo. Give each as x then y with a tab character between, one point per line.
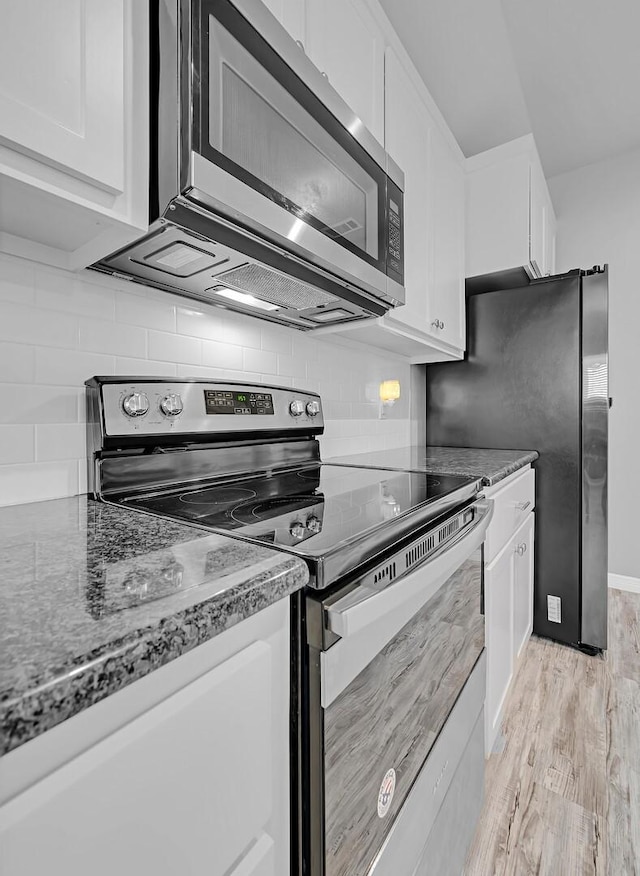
498	591
523	586
408	131
185	788
549	240
62	84
497	215
344	41
445	301
537	220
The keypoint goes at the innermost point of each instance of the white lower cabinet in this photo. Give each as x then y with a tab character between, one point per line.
196	784
523	586
498	601
508	589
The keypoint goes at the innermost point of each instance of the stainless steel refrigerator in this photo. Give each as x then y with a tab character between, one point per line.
535	376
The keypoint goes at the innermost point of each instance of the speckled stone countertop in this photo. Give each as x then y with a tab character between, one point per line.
94	597
491	465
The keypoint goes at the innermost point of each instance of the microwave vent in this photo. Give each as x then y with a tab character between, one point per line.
346	227
275	288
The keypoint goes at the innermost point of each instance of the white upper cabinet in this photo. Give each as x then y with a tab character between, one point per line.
445	299
345	42
510	221
429	327
73	127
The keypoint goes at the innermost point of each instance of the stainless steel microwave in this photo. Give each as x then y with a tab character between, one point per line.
267	193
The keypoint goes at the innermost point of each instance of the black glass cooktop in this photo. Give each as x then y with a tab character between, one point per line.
312	511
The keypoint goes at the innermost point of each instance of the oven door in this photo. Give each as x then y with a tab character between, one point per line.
268	153
387	689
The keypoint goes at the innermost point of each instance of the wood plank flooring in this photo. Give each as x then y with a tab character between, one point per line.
562	795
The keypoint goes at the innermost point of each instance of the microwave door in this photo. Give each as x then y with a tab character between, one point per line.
269	154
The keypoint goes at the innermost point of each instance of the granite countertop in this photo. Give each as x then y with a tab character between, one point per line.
94	597
491	465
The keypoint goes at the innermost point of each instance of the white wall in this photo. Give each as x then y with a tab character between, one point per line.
58	328
598	210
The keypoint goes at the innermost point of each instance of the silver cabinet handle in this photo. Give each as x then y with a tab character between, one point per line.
522	506
326	75
521	549
300	45
437	323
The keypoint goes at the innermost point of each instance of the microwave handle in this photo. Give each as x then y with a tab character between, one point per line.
364	606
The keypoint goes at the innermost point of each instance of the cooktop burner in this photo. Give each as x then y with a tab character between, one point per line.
314	510
217	496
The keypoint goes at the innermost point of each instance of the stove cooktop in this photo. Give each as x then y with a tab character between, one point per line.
316	510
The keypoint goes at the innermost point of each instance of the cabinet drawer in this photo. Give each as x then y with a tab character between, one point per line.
512	503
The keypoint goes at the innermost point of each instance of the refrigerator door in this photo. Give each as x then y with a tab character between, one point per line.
520	388
595	416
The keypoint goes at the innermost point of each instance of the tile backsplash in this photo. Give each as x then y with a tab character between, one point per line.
59	328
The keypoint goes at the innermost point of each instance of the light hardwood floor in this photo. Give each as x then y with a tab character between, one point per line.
562	797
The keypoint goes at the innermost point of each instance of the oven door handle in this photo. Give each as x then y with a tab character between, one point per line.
364	606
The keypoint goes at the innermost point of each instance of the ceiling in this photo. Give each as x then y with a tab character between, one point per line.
566	70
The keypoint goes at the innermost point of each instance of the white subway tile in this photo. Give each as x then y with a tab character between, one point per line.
17	363
286	366
23	403
221	355
277	380
201	322
102	336
27	324
16	444
242	330
277	340
59	290
82	476
259	360
35	482
200	371
60	441
133	310
16	280
144	367
174	348
336	410
70	367
243	376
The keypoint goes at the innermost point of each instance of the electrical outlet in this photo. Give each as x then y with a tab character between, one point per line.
554	609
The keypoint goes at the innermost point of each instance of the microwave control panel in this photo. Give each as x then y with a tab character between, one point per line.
395	232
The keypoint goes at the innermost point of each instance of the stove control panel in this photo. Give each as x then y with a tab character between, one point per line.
154	406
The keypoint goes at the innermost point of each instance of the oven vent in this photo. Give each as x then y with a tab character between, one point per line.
385	575
447	531
419	551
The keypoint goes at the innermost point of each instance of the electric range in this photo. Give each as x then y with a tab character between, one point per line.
388	635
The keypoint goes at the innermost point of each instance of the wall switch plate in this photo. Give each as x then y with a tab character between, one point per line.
554	609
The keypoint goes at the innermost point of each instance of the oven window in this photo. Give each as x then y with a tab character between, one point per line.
391	714
258	121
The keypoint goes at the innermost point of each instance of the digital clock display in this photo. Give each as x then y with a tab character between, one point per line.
222	401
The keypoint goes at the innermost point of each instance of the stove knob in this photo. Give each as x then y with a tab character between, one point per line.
296	408
313	408
298	530
171	405
136	404
314	524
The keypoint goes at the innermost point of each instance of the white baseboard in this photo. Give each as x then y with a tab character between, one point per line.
624	582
